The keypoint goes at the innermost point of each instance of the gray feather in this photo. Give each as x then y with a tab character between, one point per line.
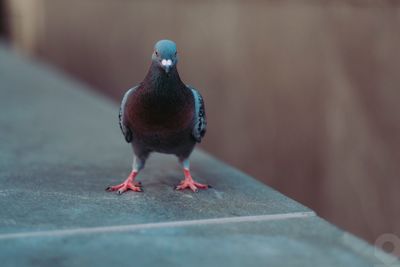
125	129
200	119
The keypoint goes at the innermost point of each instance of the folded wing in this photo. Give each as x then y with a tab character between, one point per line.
124	128
200	120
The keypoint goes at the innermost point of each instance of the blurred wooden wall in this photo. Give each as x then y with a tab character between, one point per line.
304	95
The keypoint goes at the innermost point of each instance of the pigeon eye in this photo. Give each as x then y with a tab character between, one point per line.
156	53
176	53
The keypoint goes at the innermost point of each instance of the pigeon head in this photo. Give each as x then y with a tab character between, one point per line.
165	54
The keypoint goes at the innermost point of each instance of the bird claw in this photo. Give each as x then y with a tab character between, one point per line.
178	188
192	185
125	186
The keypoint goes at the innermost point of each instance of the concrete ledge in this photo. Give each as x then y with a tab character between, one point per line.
61	147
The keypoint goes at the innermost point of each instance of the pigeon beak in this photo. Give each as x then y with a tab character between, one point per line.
166	64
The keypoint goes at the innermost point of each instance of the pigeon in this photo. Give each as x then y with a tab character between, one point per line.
164	115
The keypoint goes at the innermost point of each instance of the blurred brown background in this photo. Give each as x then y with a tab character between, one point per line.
304	95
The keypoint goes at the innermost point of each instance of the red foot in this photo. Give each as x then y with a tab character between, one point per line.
129	184
188	182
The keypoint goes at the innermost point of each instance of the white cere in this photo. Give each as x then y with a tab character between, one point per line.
166	62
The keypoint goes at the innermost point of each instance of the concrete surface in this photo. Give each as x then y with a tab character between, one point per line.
291	242
61	146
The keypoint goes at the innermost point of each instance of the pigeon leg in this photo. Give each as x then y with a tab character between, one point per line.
188	182
129	183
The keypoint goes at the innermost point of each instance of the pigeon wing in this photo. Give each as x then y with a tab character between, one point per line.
200	120
124	128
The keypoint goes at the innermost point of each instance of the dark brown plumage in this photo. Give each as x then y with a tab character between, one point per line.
160	114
